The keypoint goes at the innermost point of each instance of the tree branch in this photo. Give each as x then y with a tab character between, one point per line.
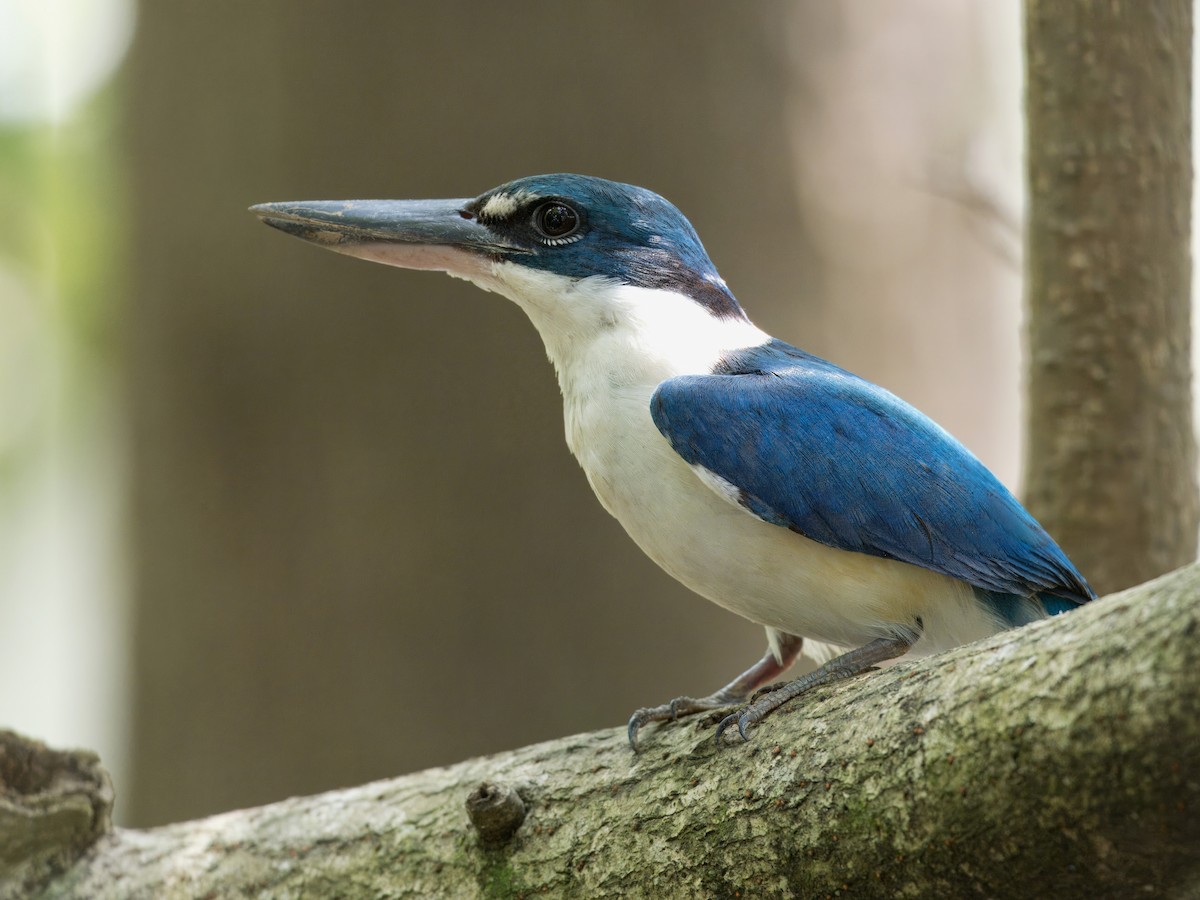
1065	754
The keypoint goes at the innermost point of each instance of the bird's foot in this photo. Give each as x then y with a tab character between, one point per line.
772	688
768	689
765	701
680	706
768	699
787	646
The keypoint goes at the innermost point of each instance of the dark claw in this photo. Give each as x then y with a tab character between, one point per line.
636	721
725	723
677	708
744	725
645	716
745	719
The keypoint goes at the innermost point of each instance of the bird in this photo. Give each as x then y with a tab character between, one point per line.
765	479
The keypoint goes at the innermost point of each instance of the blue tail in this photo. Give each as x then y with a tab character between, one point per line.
1014	610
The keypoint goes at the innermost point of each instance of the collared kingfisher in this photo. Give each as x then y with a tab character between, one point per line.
770	481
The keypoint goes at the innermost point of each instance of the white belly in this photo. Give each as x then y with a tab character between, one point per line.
761	571
611	346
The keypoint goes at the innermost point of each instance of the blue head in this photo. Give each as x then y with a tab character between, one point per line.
572	226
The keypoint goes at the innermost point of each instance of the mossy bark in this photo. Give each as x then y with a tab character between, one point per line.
54	805
1111	457
1065	754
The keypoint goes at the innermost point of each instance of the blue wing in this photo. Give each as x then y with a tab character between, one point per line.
841	461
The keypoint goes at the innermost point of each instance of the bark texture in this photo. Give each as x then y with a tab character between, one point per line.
1065	754
1111	455
53	807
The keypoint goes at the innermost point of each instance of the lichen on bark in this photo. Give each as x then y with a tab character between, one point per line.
1066	752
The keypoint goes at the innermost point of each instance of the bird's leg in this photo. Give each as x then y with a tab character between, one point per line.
735	692
836	669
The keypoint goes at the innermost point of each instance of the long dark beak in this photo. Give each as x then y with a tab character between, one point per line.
413	234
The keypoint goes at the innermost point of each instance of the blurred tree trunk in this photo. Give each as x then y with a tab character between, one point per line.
1111	451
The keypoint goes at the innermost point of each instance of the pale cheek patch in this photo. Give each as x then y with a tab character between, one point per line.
426	257
501	205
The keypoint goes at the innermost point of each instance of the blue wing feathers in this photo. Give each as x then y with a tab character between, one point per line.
843	462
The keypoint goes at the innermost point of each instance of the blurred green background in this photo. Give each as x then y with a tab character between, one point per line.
274	521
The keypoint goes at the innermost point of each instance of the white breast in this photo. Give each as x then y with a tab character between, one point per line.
611	346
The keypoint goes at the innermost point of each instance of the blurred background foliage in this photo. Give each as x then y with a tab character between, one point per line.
272	521
63	260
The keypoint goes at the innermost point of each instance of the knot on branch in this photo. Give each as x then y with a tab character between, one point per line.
496	811
53	806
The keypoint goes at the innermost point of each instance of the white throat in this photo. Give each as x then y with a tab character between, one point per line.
603	335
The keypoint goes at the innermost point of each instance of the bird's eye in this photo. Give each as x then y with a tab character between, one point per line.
555	220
